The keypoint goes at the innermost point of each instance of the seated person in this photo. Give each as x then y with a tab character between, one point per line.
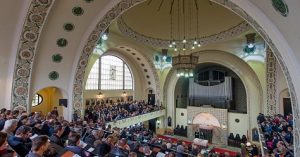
40	145
73	146
56	136
20	142
91	138
4	152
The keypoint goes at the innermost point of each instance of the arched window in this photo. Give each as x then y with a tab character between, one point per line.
109	73
37	100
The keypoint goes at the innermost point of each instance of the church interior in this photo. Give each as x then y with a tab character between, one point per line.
184	78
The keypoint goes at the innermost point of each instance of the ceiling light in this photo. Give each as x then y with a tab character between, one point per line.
250	45
164	58
184	41
175	49
170	45
104	37
195	42
173	43
199	45
193	47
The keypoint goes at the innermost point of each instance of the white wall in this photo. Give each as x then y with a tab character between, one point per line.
181	120
238	128
281	85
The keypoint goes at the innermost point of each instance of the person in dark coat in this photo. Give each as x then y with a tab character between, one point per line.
20	142
56	136
74	146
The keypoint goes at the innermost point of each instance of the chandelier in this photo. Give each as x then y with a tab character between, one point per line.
184	36
185	64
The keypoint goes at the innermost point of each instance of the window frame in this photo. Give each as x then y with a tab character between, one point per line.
39	96
100	71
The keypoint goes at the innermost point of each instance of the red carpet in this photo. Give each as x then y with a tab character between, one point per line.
221	150
174	140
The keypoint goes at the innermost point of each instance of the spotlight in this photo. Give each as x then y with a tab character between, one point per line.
164	58
250	45
186	75
104	37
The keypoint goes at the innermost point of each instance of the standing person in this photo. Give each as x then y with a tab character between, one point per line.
40	145
54	112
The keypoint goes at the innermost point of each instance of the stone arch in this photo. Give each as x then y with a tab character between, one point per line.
207	118
237	65
20	87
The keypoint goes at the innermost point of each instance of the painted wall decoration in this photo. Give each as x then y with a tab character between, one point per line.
271	82
281	7
68	27
227	34
57	58
88	1
77	11
35	19
53	75
62	42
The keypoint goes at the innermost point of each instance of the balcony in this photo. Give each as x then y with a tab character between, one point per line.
137	119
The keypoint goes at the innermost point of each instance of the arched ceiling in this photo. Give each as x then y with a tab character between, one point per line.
153	18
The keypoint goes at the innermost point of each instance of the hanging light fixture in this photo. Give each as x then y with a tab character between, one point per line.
105	35
250	46
184	63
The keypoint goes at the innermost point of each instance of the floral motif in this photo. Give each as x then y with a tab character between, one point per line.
36	18
77	11
44	2
20	91
26	54
281	7
62	42
30	36
57	58
22	72
69	27
53	75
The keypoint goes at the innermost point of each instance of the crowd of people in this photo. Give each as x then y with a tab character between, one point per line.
107	112
278	133
36	135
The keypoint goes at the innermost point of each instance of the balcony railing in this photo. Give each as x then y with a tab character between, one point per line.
137	119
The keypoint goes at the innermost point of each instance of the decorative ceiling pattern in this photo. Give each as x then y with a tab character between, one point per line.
281	7
161	43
